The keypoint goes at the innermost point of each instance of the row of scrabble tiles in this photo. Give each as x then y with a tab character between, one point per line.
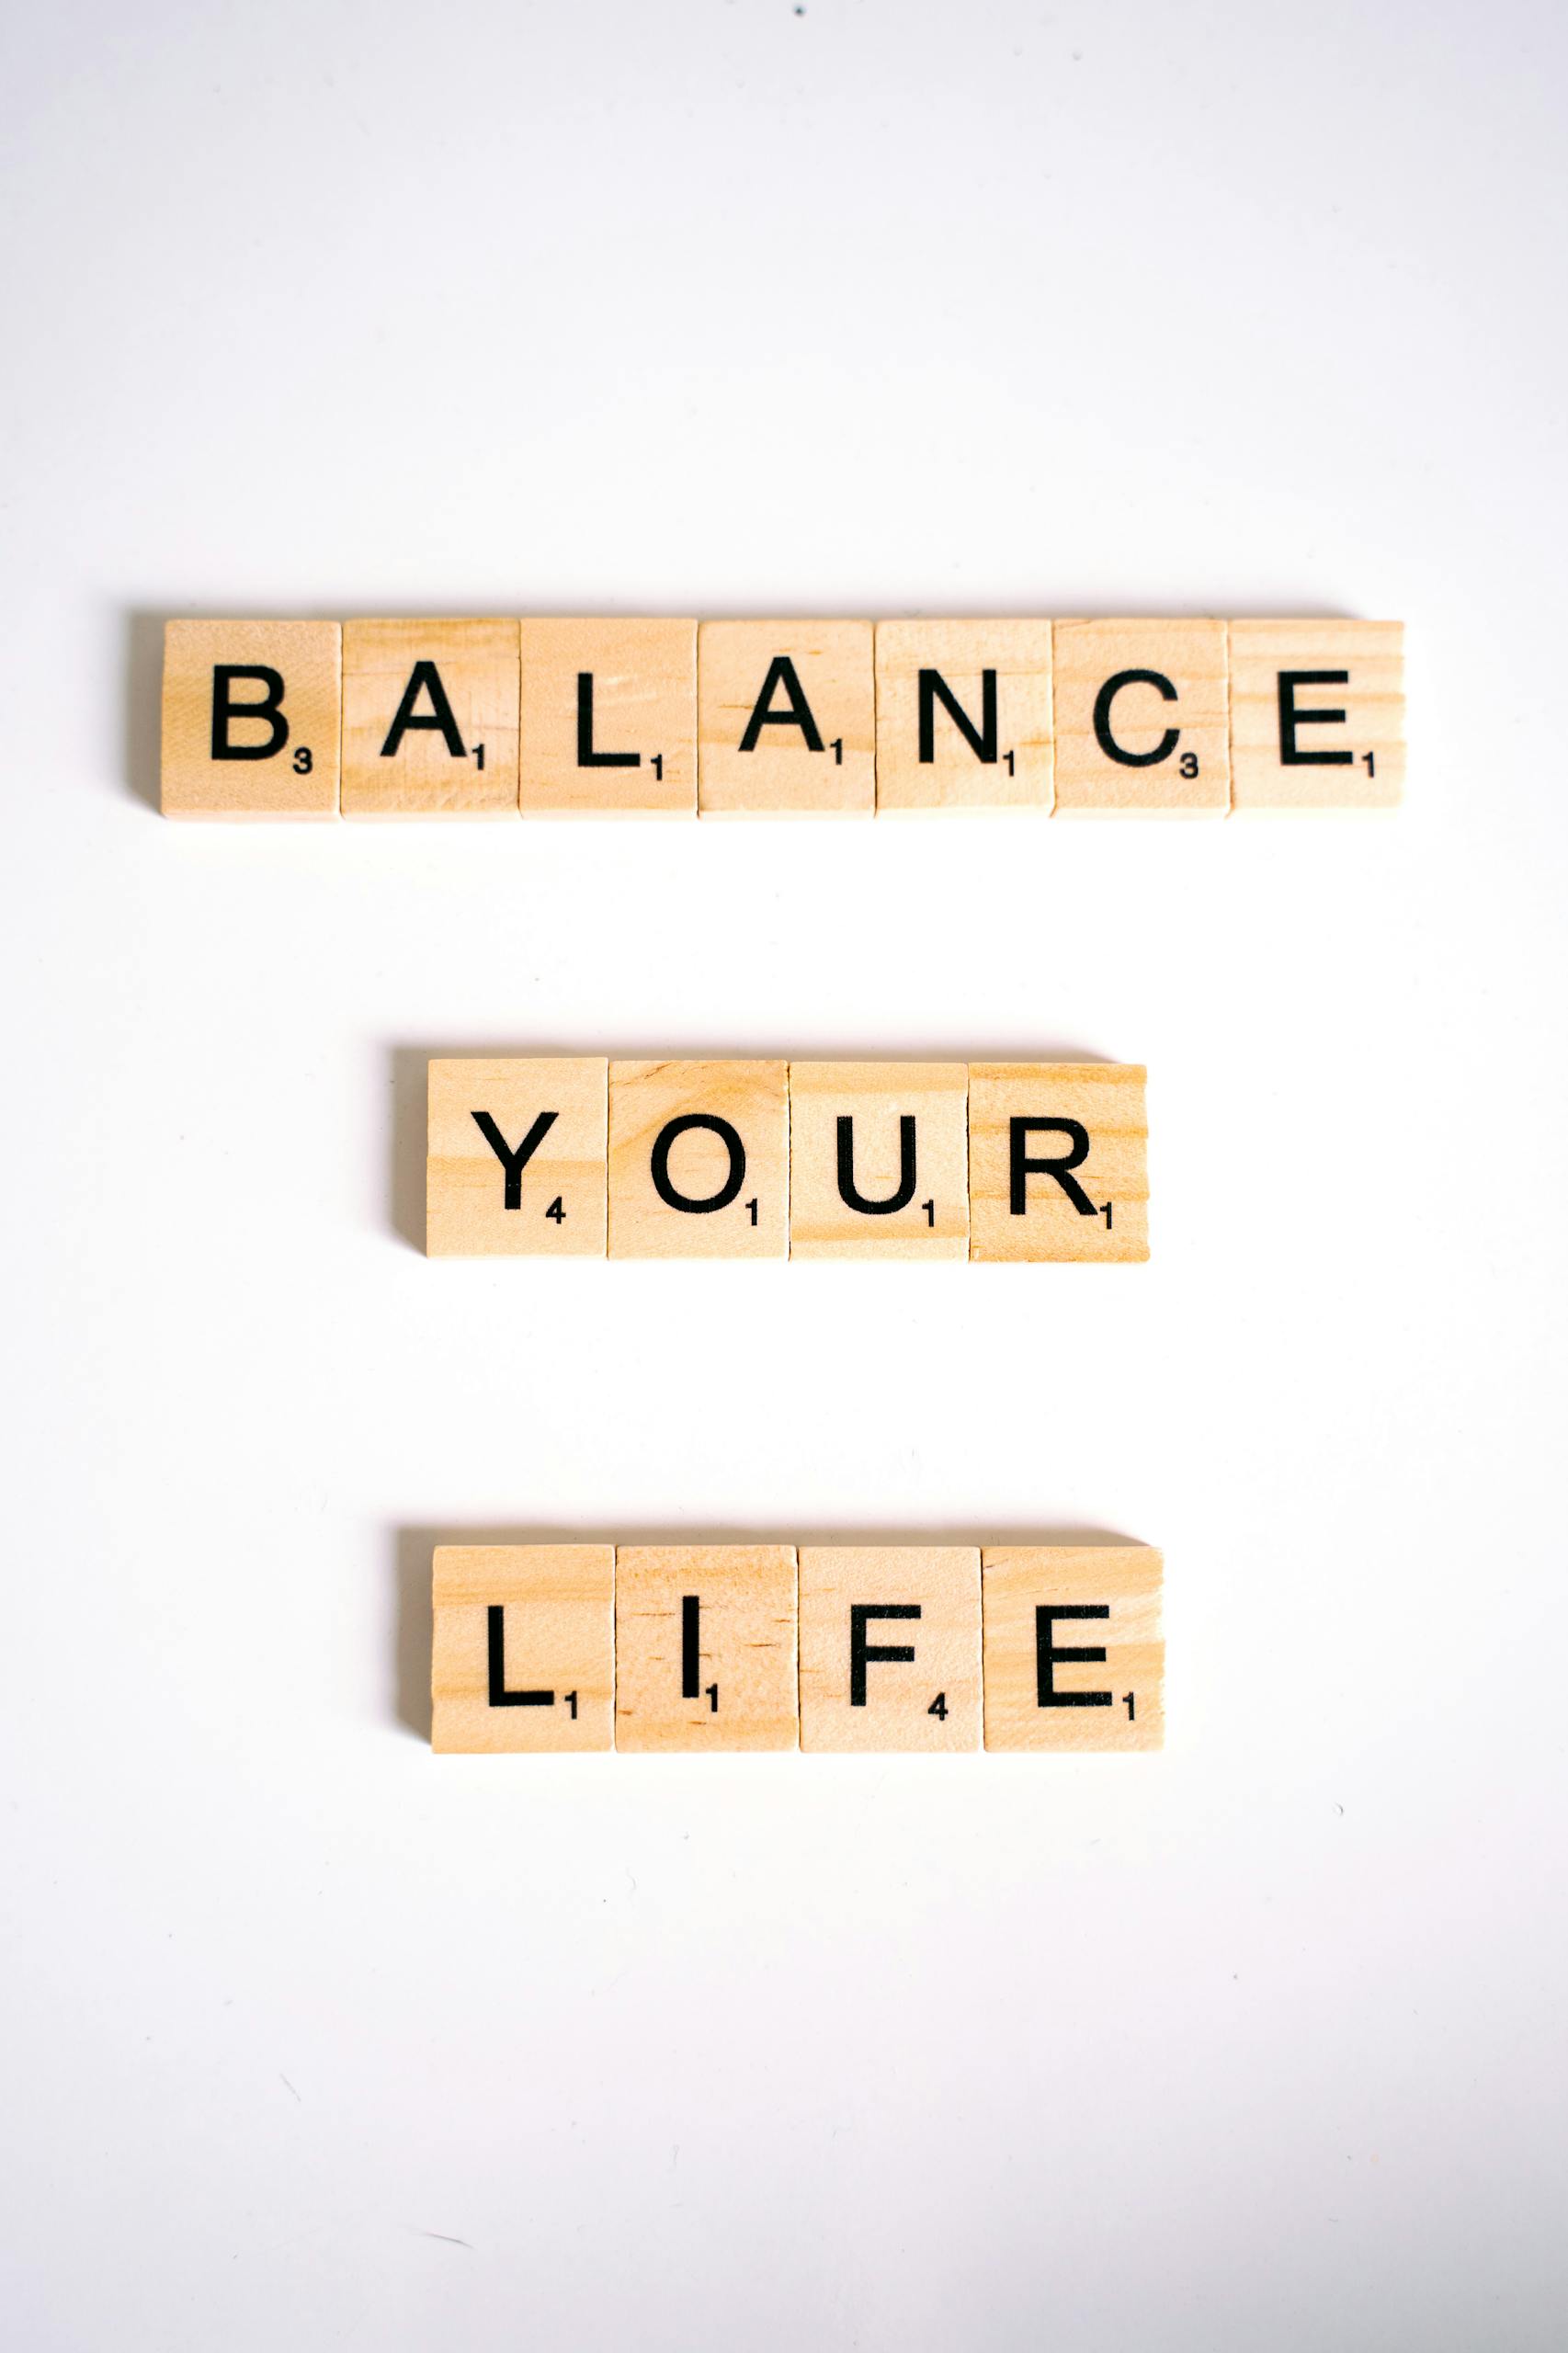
776	718
586	1157
826	1647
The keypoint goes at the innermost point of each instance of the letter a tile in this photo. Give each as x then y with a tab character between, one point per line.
786	719
431	719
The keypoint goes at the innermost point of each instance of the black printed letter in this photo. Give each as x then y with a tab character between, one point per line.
1047	1654
781	673
587	756
499	1695
1290	753
660	1163
1022	1167
514	1163
982	742
425	679
861	1654
1106	740
847	1190
225	709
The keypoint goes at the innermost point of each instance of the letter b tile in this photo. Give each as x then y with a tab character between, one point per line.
698	1160
251	718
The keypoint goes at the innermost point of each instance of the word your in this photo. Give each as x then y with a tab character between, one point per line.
585	1157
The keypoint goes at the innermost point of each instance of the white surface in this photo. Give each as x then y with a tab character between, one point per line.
314	2041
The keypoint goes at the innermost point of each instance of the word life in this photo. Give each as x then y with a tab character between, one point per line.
909	1647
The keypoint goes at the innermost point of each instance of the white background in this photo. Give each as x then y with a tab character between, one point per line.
315	2040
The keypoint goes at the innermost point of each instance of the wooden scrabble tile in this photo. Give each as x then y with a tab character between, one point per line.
431	719
889	1647
252	711
1317	714
1058	1161
963	715
1141	719
517	1159
523	1656
608	718
698	1160
878	1160
786	719
705	1646
1073	1654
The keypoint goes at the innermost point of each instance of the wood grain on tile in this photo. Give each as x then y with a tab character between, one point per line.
523	1653
698	1160
786	719
878	1160
252	713
429	719
609	721
1075	1657
889	1647
1058	1159
963	715
1317	714
1141	726
705	1647
517	1158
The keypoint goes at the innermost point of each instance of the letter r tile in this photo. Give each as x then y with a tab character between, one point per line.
1058	1161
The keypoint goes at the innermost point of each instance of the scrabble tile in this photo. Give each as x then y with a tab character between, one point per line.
523	1654
698	1160
518	1158
1141	719
889	1647
1317	714
608	718
878	1160
431	719
786	719
1058	1161
705	1646
1073	1654
252	711
963	715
